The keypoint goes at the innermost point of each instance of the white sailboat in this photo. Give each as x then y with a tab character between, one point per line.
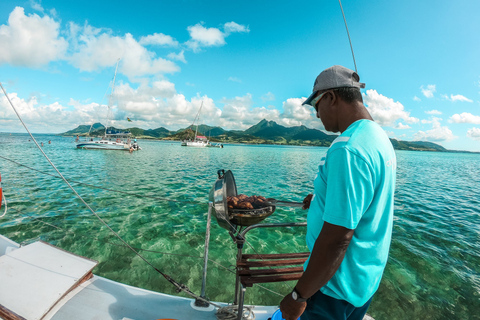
199	140
112	139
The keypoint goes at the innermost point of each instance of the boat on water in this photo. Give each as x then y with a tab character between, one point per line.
198	140
201	141
112	139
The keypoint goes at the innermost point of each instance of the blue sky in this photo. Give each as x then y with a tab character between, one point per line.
245	60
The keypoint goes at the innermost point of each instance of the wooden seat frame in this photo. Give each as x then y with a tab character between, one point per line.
265	268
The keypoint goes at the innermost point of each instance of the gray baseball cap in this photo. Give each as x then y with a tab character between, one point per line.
335	77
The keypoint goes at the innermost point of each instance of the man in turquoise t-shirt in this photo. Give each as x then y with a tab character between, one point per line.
350	217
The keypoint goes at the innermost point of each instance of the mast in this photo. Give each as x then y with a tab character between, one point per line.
110	100
196	118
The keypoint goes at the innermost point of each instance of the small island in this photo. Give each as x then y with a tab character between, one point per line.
264	132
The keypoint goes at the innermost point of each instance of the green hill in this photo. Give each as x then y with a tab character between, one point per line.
264	132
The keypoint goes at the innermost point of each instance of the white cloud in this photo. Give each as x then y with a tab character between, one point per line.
178	56
231	27
384	110
36	6
51	118
457	97
293	109
433	112
204	37
429	90
238	113
402	126
268	97
30	41
465	117
437	133
415	98
474	133
201	36
159	39
98	49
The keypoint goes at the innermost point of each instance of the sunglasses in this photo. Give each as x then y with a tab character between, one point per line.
314	102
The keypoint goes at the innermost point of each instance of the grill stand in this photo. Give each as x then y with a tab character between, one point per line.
240	239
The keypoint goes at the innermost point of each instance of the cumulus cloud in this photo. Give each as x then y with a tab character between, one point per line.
456	97
178	56
433	112
384	110
231	27
415	98
402	126
465	117
49	118
238	113
474	133
201	36
429	90
159	39
98	49
30	40
268	97
436	134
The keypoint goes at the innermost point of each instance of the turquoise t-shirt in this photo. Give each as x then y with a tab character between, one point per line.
354	188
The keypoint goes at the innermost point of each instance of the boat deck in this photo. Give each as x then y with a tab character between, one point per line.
40	281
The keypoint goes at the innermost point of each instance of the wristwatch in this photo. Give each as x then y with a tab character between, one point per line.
296	296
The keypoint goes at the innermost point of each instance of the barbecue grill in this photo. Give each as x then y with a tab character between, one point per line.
230	218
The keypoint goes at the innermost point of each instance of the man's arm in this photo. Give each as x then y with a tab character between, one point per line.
327	255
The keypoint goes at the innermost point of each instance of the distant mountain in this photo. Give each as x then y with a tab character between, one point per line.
271	130
99	130
84	129
416	145
264	132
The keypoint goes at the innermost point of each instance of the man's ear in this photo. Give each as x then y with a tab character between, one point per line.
333	97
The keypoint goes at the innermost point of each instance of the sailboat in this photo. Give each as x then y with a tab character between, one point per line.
112	139
199	140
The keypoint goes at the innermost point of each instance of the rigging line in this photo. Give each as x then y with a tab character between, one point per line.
39	219
140	249
348	33
179	286
102	188
139	195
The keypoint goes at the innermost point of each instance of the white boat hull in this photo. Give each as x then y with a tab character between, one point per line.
95	298
103	145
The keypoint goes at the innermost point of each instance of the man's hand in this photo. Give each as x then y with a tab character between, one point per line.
306	201
291	309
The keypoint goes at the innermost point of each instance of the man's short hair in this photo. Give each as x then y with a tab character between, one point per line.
349	95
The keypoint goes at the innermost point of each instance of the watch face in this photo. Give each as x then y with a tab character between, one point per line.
294	295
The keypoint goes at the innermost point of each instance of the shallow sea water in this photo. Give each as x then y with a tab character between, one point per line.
434	267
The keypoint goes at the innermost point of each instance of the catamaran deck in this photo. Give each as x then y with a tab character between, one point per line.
40	281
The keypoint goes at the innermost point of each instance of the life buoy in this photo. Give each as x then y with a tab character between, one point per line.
1	192
118	140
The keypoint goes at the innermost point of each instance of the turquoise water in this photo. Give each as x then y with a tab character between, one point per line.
434	266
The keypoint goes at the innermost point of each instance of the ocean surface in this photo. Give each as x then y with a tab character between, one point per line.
157	200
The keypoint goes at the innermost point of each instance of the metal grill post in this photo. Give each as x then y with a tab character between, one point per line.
200	303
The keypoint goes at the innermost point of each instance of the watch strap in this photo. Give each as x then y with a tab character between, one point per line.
297	296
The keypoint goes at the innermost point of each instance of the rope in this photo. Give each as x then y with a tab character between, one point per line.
348	33
179	286
138	195
101	188
231	313
5	203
